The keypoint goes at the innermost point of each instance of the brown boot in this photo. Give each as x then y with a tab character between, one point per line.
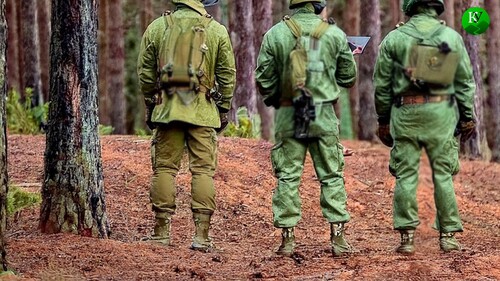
287	242
340	246
161	232
201	241
448	242
407	246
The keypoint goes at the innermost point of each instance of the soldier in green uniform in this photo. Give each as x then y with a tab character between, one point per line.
183	56
330	66
424	90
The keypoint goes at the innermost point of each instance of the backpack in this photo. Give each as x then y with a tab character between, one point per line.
430	62
305	61
183	55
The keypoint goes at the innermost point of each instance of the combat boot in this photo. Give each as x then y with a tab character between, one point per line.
339	244
448	242
201	241
287	242
407	246
161	232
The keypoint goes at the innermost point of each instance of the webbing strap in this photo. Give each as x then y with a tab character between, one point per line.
293	26
320	30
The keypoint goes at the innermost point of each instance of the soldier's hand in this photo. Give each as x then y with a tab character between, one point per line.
149	114
384	133
465	129
224	121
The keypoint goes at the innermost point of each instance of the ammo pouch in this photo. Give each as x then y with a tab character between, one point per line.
305	112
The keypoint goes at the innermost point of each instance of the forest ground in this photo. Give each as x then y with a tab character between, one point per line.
242	226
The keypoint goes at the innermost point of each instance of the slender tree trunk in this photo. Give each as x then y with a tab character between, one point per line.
477	146
20	49
243	31
102	62
12	49
116	66
43	34
31	68
352	27
370	26
449	13
146	14
396	12
493	8
3	136
263	21
73	198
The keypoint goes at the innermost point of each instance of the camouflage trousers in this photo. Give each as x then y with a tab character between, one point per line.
431	127
168	146
288	156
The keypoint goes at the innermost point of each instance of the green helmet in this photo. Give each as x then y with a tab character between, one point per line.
408	6
294	3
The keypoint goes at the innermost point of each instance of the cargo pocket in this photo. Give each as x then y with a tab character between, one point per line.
154	142
340	157
452	152
394	161
277	157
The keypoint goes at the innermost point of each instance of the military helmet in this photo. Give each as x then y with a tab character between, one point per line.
408	5
294	3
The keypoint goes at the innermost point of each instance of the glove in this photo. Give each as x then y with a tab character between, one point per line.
466	129
149	114
224	121
384	134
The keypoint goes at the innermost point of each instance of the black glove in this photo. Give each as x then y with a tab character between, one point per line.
384	134
149	114
466	129
224	121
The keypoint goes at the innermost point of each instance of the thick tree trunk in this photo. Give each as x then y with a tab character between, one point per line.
31	67
43	34
116	66
476	147
12	49
3	137
243	37
102	63
73	194
370	26
352	27
493	8
263	21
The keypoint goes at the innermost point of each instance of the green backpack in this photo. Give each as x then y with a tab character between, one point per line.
430	62
183	56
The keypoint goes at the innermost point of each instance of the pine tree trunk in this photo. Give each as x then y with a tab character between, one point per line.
449	13
245	93
116	66
3	137
12	49
263	21
102	64
493	9
20	49
73	198
352	27
397	15
370	26
31	67
43	34
146	15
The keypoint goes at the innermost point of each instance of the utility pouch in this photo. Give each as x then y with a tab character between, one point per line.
305	112
430	64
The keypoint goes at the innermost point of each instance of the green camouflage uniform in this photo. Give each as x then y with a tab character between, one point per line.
430	126
183	125
288	154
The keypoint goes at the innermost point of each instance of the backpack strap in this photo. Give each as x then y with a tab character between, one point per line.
320	30
169	20
293	26
420	36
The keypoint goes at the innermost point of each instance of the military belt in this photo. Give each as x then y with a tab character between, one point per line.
421	99
288	102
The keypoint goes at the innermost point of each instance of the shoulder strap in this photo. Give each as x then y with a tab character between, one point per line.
169	20
320	30
206	20
293	26
420	36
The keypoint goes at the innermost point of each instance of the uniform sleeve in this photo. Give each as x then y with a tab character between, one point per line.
266	74
147	66
465	86
382	79
225	70
346	66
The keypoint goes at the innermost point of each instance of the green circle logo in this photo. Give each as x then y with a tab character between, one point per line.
476	21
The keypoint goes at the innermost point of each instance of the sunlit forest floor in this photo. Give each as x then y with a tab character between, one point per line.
242	227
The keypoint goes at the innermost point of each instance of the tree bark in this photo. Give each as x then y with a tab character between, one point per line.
73	198
370	26
493	45
20	48
12	49
31	67
43	34
3	137
396	12
263	21
449	13
102	64
146	14
116	67
243	37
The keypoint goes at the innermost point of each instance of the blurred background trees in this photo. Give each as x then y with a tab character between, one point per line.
122	22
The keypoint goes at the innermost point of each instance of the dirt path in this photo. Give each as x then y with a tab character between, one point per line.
243	224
